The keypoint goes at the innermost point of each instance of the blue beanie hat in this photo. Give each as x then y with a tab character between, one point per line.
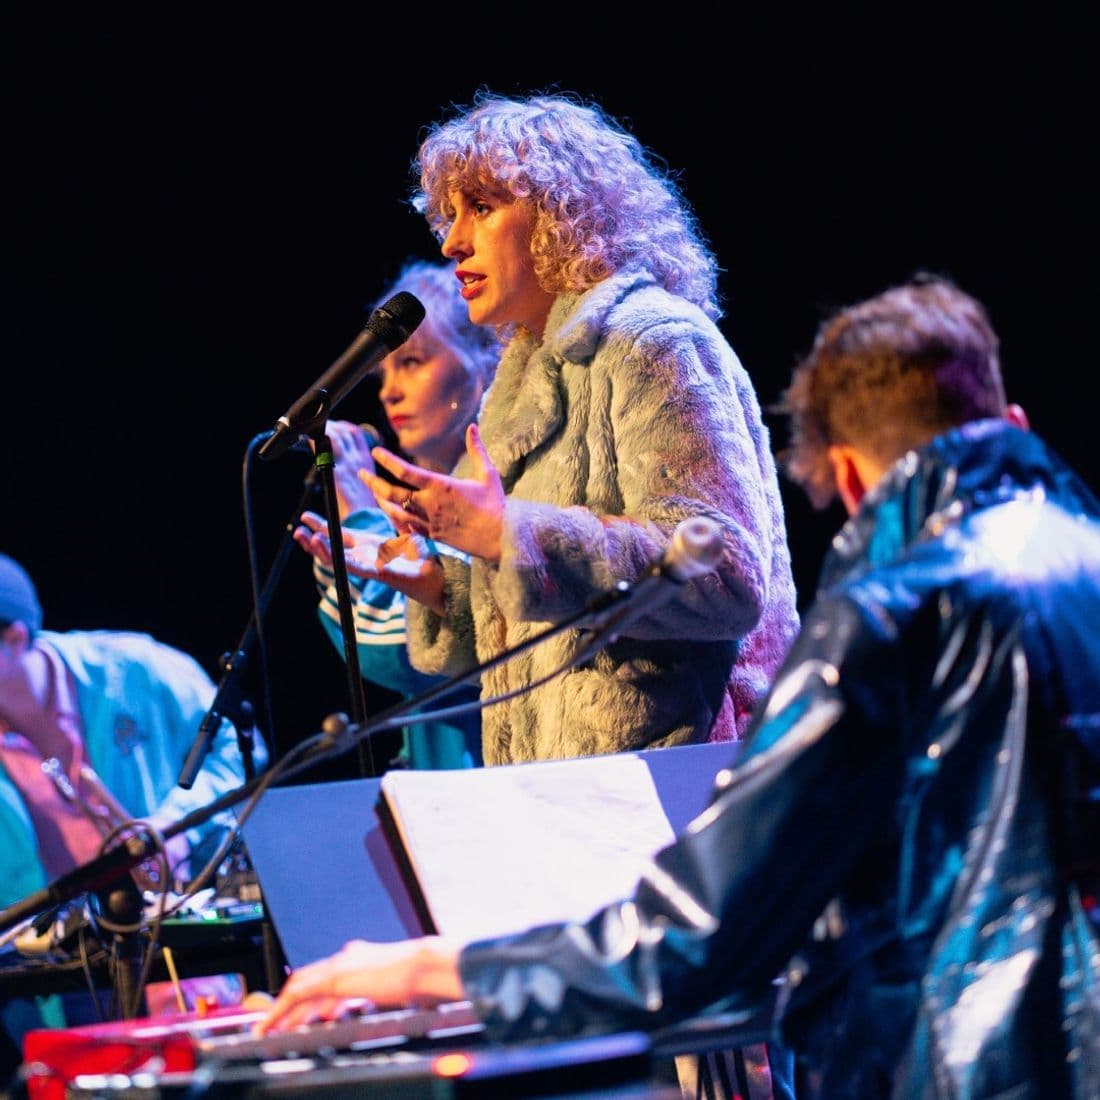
18	599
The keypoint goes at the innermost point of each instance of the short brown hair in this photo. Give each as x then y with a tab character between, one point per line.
887	375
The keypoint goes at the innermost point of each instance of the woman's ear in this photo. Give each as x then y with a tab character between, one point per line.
848	474
1015	414
16	636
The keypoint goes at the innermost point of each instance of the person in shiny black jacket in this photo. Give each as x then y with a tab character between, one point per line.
911	834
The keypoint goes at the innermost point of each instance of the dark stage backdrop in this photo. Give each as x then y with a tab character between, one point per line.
199	215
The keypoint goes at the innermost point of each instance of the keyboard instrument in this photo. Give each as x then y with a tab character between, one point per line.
367	1031
436	1053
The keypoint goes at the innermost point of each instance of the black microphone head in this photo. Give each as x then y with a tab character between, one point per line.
396	319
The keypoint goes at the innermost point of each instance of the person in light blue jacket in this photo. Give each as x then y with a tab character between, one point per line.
95	726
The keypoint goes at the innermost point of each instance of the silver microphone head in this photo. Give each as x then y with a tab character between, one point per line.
695	548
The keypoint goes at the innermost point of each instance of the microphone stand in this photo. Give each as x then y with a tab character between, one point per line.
323	467
324	464
229	700
121	901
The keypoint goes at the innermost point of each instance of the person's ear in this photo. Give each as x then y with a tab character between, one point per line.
1015	414
16	635
848	476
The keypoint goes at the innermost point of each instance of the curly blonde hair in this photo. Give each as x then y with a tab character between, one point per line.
602	202
886	376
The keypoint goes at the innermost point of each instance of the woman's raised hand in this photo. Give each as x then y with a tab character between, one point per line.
466	513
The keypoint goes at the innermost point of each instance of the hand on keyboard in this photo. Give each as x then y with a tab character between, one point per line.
420	973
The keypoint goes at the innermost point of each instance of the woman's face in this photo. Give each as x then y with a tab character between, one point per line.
490	242
429	397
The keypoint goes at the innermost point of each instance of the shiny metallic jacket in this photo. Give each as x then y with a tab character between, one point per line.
911	836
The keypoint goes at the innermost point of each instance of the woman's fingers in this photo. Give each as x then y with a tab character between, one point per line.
402	470
397	502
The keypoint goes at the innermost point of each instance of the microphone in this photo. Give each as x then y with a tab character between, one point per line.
694	550
387	328
302	445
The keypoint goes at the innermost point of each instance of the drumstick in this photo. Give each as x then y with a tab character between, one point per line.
170	962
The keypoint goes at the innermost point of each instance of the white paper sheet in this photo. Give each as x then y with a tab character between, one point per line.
498	849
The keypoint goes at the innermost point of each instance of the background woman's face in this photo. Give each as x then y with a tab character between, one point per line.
421	381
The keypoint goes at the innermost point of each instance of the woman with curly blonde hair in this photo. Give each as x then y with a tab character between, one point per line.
598	199
617	410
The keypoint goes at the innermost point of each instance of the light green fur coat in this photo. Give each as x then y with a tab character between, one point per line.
633	414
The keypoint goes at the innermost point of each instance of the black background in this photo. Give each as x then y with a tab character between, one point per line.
199	214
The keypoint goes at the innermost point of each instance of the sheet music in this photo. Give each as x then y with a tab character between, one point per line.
495	850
